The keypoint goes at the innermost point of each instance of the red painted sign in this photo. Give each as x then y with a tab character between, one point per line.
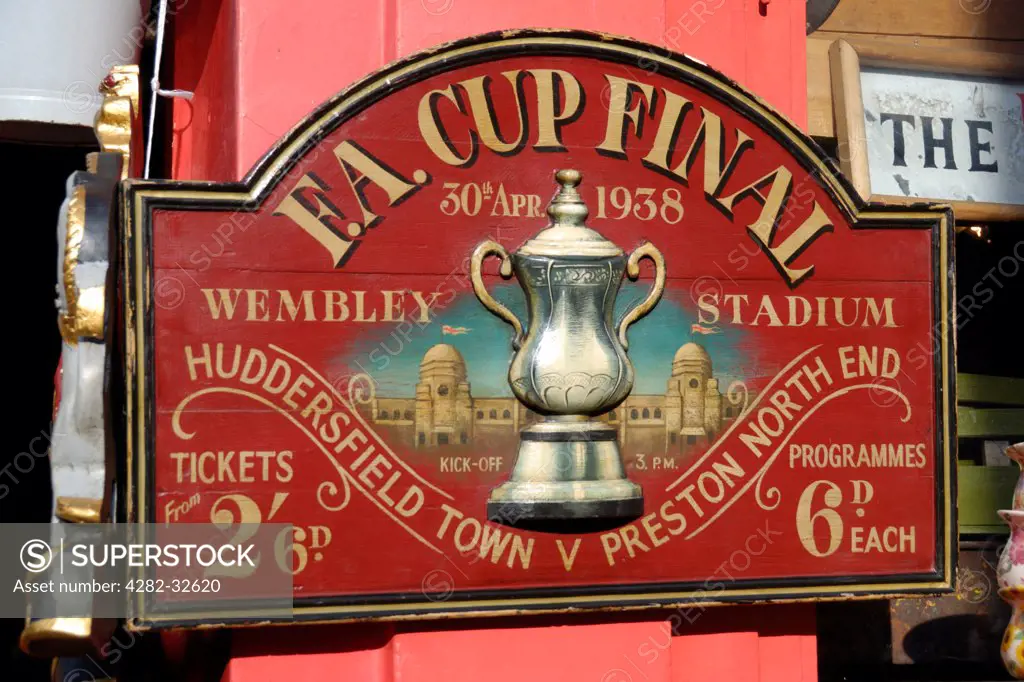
306	347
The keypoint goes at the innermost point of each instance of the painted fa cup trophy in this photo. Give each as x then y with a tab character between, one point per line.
570	366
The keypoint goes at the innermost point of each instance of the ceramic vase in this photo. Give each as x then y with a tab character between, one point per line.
1012	647
1010	573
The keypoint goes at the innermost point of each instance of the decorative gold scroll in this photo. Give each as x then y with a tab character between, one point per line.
48	637
113	125
79	509
83	318
78	320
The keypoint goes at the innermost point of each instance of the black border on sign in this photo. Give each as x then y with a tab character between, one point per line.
140	198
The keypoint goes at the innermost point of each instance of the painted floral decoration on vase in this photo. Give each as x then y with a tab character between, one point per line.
1010	574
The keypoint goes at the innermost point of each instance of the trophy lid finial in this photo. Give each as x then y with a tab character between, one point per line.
569	176
567	208
568	235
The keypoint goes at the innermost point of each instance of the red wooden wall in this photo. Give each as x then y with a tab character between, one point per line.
752	644
258	66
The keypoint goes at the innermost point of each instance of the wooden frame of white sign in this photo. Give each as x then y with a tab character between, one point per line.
845	62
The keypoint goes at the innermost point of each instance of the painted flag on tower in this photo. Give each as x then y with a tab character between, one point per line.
454	331
701	329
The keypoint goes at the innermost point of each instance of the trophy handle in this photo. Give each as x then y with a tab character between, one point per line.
645	250
493	248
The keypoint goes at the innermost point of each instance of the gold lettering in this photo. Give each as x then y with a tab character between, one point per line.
568	559
361	308
424	305
286	302
717	170
224	300
673	112
874	311
550	119
768	310
621	91
779	180
335	299
314	213
764	227
434	134
484	113
796	243
257	305
361	168
708	303
205	360
393	310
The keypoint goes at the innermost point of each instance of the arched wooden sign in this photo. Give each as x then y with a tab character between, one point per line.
306	346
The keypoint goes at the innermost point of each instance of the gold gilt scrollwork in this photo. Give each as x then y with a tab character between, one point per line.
84	308
81	316
79	510
48	637
113	125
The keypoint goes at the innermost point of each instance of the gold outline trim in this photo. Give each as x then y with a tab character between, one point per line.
522	606
135	338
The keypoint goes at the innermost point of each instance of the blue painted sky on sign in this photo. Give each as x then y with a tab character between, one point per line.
393	358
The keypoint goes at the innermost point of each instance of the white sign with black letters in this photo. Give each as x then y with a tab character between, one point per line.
944	137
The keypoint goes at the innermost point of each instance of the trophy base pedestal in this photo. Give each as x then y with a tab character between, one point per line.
567	472
582	516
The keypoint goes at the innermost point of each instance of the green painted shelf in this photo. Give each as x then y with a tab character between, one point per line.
982	491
